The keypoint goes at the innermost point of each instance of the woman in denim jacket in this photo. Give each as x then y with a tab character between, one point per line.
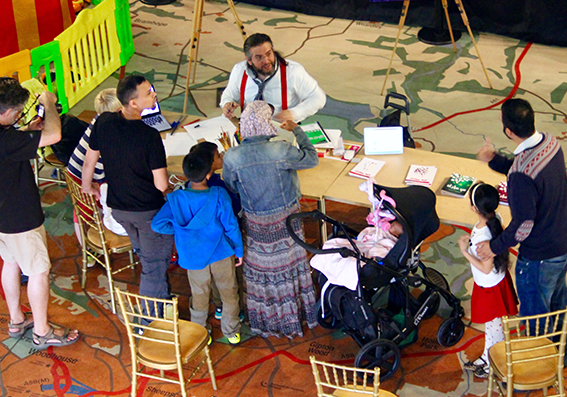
280	292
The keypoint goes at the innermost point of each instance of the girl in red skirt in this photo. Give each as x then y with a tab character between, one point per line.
493	294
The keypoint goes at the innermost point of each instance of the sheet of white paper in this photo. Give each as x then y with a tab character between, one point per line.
211	129
178	144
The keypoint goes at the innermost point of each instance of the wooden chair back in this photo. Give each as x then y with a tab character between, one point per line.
345	381
531	356
160	340
98	242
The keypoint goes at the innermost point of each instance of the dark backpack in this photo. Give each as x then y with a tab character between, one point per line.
72	129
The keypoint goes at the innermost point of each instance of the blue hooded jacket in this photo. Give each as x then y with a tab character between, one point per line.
204	225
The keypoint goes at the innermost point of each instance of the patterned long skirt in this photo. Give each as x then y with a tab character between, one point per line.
280	294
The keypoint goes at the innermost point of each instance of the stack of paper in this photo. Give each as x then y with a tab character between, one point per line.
421	175
367	168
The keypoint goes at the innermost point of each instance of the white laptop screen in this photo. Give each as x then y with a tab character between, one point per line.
383	140
154	111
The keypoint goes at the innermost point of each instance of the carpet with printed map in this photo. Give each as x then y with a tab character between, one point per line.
453	111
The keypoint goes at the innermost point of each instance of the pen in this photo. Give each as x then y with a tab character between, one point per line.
175	124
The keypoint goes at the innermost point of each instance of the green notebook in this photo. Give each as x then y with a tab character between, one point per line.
458	185
317	135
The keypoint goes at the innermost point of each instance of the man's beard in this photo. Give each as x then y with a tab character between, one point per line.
260	72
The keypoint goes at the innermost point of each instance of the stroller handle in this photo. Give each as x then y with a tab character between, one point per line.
318	216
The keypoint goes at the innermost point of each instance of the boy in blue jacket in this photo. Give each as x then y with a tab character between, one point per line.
207	238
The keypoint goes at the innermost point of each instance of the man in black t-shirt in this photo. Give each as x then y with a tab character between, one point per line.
136	171
23	245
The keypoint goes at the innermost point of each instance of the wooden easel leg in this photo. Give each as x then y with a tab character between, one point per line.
237	19
466	22
405	7
193	45
195	39
446	8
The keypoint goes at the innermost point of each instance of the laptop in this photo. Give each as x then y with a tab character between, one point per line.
383	140
154	118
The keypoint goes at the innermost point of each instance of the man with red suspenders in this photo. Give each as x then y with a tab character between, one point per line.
266	75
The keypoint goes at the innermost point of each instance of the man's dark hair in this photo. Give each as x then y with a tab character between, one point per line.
12	94
257	39
518	117
128	88
197	164
210	147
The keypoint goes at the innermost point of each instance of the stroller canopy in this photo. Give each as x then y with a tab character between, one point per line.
416	205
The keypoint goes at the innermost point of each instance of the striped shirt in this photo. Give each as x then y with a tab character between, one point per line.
77	159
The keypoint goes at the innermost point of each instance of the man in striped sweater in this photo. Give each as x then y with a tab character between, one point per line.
537	194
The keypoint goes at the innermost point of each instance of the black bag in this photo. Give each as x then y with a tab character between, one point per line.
354	312
72	129
393	120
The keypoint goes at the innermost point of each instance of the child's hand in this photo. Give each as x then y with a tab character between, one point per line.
93	190
464	242
238	262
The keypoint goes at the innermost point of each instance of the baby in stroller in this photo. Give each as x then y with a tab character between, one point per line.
351	295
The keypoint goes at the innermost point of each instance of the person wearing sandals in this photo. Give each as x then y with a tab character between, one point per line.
493	293
23	245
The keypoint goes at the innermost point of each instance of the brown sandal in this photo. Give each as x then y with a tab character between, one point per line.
21	327
51	339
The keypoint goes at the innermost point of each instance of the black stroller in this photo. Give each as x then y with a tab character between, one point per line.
382	315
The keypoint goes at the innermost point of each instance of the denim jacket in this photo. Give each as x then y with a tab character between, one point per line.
263	172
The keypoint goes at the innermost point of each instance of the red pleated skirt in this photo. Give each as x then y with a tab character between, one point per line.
490	303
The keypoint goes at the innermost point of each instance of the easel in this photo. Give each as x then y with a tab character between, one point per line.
459	3
195	37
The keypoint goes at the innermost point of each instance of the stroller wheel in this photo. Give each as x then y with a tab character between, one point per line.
450	332
436	278
329	321
381	353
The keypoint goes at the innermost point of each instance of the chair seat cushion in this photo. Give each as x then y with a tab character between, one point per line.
192	336
531	372
113	241
54	161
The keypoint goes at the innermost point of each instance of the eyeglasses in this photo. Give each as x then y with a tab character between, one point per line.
25	112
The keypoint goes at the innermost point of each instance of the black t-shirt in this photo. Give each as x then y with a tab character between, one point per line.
129	150
20	206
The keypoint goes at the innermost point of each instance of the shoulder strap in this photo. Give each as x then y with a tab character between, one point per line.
242	89
283	76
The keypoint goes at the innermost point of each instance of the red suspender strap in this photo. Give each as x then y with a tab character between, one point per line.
242	89
283	76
